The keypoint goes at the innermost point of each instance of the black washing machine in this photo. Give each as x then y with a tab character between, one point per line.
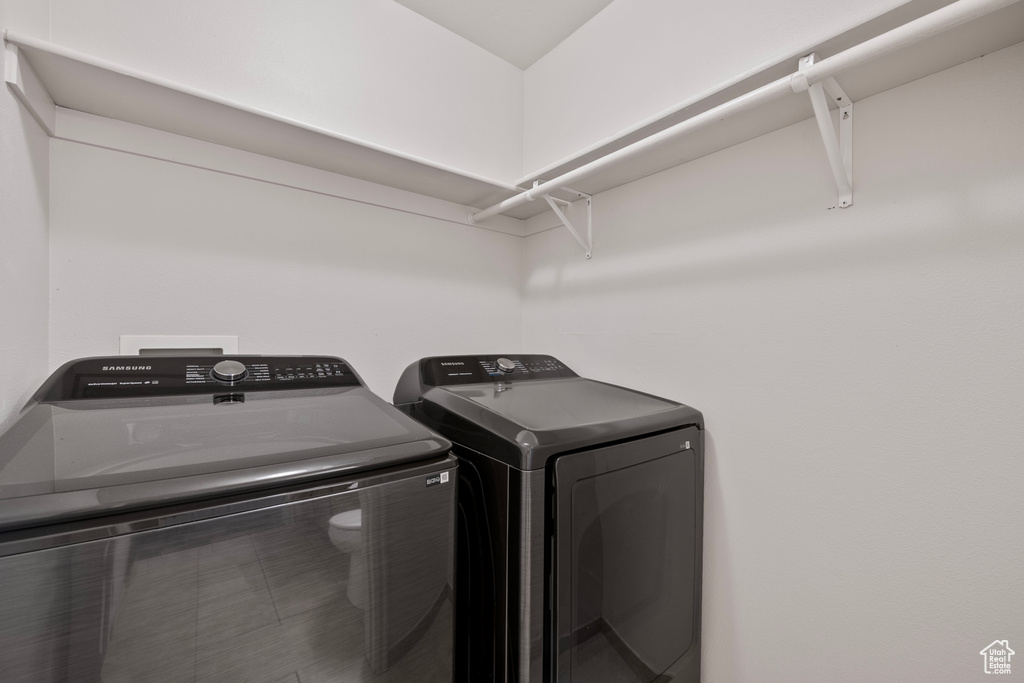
580	521
231	520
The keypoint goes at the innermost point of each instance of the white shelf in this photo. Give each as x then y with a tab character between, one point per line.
95	86
58	77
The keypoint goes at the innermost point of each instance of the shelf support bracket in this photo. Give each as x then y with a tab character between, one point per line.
25	85
588	242
839	151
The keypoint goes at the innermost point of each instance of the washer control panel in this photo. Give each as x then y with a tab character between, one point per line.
141	376
449	370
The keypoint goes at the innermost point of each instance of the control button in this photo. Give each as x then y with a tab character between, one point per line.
229	371
505	365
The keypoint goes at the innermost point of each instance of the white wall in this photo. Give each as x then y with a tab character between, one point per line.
639	57
370	69
23	234
860	372
141	246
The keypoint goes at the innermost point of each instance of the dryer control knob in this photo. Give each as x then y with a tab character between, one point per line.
229	371
505	365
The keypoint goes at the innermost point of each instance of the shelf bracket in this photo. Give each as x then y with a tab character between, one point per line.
26	86
588	243
839	151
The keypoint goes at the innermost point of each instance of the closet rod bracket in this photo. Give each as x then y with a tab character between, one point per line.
839	151
588	242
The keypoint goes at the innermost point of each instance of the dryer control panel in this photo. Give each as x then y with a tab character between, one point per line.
443	371
142	376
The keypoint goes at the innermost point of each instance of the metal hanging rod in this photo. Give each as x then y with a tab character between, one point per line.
937	22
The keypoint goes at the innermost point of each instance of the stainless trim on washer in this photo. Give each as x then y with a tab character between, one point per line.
32	539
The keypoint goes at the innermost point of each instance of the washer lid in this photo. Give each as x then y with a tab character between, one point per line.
539	409
74	458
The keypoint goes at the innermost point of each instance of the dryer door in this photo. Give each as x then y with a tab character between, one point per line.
627	538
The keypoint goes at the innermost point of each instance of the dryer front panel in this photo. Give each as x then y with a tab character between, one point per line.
627	560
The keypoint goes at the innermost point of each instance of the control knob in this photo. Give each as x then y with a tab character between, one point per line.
229	371
505	365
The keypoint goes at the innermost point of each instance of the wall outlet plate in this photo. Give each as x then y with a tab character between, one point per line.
148	344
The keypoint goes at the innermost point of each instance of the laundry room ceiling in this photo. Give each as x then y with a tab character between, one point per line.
518	31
